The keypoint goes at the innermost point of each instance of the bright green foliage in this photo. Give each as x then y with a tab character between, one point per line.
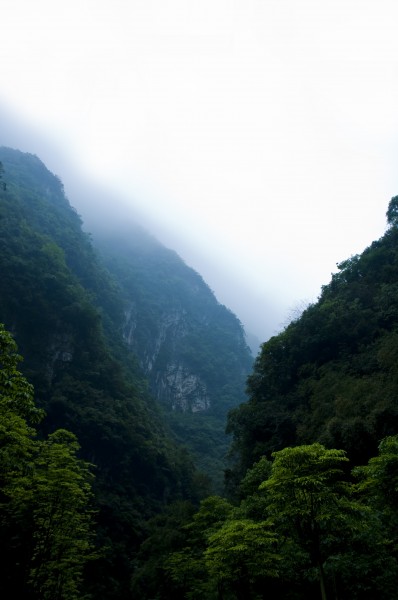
213	511
366	564
305	483
379	479
16	460
66	312
309	501
241	555
16	392
61	495
225	555
309	531
16	406
45	522
332	374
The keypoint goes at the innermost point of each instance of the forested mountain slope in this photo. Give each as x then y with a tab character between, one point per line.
191	348
311	506
312	509
332	374
67	313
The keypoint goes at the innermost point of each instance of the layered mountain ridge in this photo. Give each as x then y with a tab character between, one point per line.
191	348
160	318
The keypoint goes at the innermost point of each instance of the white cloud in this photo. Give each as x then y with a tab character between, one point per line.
258	136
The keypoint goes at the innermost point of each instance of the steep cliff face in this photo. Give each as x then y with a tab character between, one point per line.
182	390
191	348
67	299
174	384
66	314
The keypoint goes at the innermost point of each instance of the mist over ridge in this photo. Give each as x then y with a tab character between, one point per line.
263	293
106	209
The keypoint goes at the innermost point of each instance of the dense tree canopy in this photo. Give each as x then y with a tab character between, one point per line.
45	494
331	374
66	313
310	509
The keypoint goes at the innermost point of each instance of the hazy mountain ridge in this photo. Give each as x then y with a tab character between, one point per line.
66	314
331	374
297	515
59	299
191	348
185	340
311	509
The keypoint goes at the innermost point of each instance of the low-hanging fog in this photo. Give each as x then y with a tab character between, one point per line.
258	139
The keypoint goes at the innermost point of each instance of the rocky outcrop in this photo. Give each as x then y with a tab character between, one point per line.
182	390
191	348
173	382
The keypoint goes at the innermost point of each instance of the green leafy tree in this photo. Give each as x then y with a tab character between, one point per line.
310	502
241	555
45	491
62	521
18	415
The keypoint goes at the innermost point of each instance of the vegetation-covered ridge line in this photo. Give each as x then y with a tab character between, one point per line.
330	375
302	521
312	511
305	526
66	314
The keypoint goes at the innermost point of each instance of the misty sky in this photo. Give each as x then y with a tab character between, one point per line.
257	138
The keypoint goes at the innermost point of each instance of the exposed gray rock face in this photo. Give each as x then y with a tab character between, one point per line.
174	383
191	348
182	390
130	324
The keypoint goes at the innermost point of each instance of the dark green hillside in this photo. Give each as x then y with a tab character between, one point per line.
129	353
332	375
64	312
37	198
312	512
191	348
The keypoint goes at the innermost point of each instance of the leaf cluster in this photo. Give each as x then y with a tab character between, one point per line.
305	527
46	517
